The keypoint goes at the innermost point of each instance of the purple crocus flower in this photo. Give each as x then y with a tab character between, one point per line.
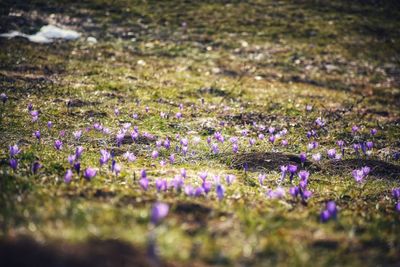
167	143
235	148
154	154
272	139
374	131
161	185
105	156
292	169
172	159
14	150
320	122
89	173
358	175
230	178
396	193
117	168
144	183
355	128
261	136
116	112
77	167
220	192
215	148
206	187
3	97
189	191
77	134
252	141
277	193
303	157
13	164
329	212
316	157
199	191
294	191
37	135
303	175
183	173
178	183
143	173
158	212
36	166
203	176
369	145
71	159
134	136
58	144
78	151
261	178
120	137
178	115
49	124
284	169
331	153
68	176
356	148
284	142
184	142
30	107
397	207
325	216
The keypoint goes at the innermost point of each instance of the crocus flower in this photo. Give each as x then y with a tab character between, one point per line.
189	191
49	124
320	122
14	150
178	115
89	173
215	148
158	212
206	187
68	176
358	175
252	141
116	112
172	159
316	157
71	159
14	164
161	185
278	193
283	170
369	145
154	154
303	157
220	192
355	128
374	131
329	212
261	136
78	151
167	143
35	167
235	148
105	156
143	173
294	191
331	153
272	139
230	178
62	133
203	176
292	169
144	183
37	135
120	137
397	207
77	167
77	134
3	97
117	169
58	144
396	193
303	175
284	142
177	182
261	178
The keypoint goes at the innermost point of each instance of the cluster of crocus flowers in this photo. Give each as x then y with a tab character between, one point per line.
14	151
330	211
360	174
301	190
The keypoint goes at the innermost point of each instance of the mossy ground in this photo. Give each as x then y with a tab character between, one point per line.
261	61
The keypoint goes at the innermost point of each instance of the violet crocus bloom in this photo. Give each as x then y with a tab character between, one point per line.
220	192
105	156
58	144
396	193
189	191
303	175
303	157
284	142
36	166
316	157
144	183
355	128
369	145
294	191
71	159
3	98
158	212
397	207
89	173
252	141
120	137
154	154
117	169
230	178
167	143
77	167
13	164
184	142
14	150
49	124
329	212
261	178
177	183
320	122
161	185
206	187
374	131
143	173
79	151
358	175
272	139
77	134
261	136
116	112
134	136
331	153
199	191
178	115
37	135
235	148
68	176
283	170
203	176
292	169
325	216
215	148
183	173
277	193
172	159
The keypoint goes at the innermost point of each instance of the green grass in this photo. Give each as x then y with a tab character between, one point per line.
261	61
